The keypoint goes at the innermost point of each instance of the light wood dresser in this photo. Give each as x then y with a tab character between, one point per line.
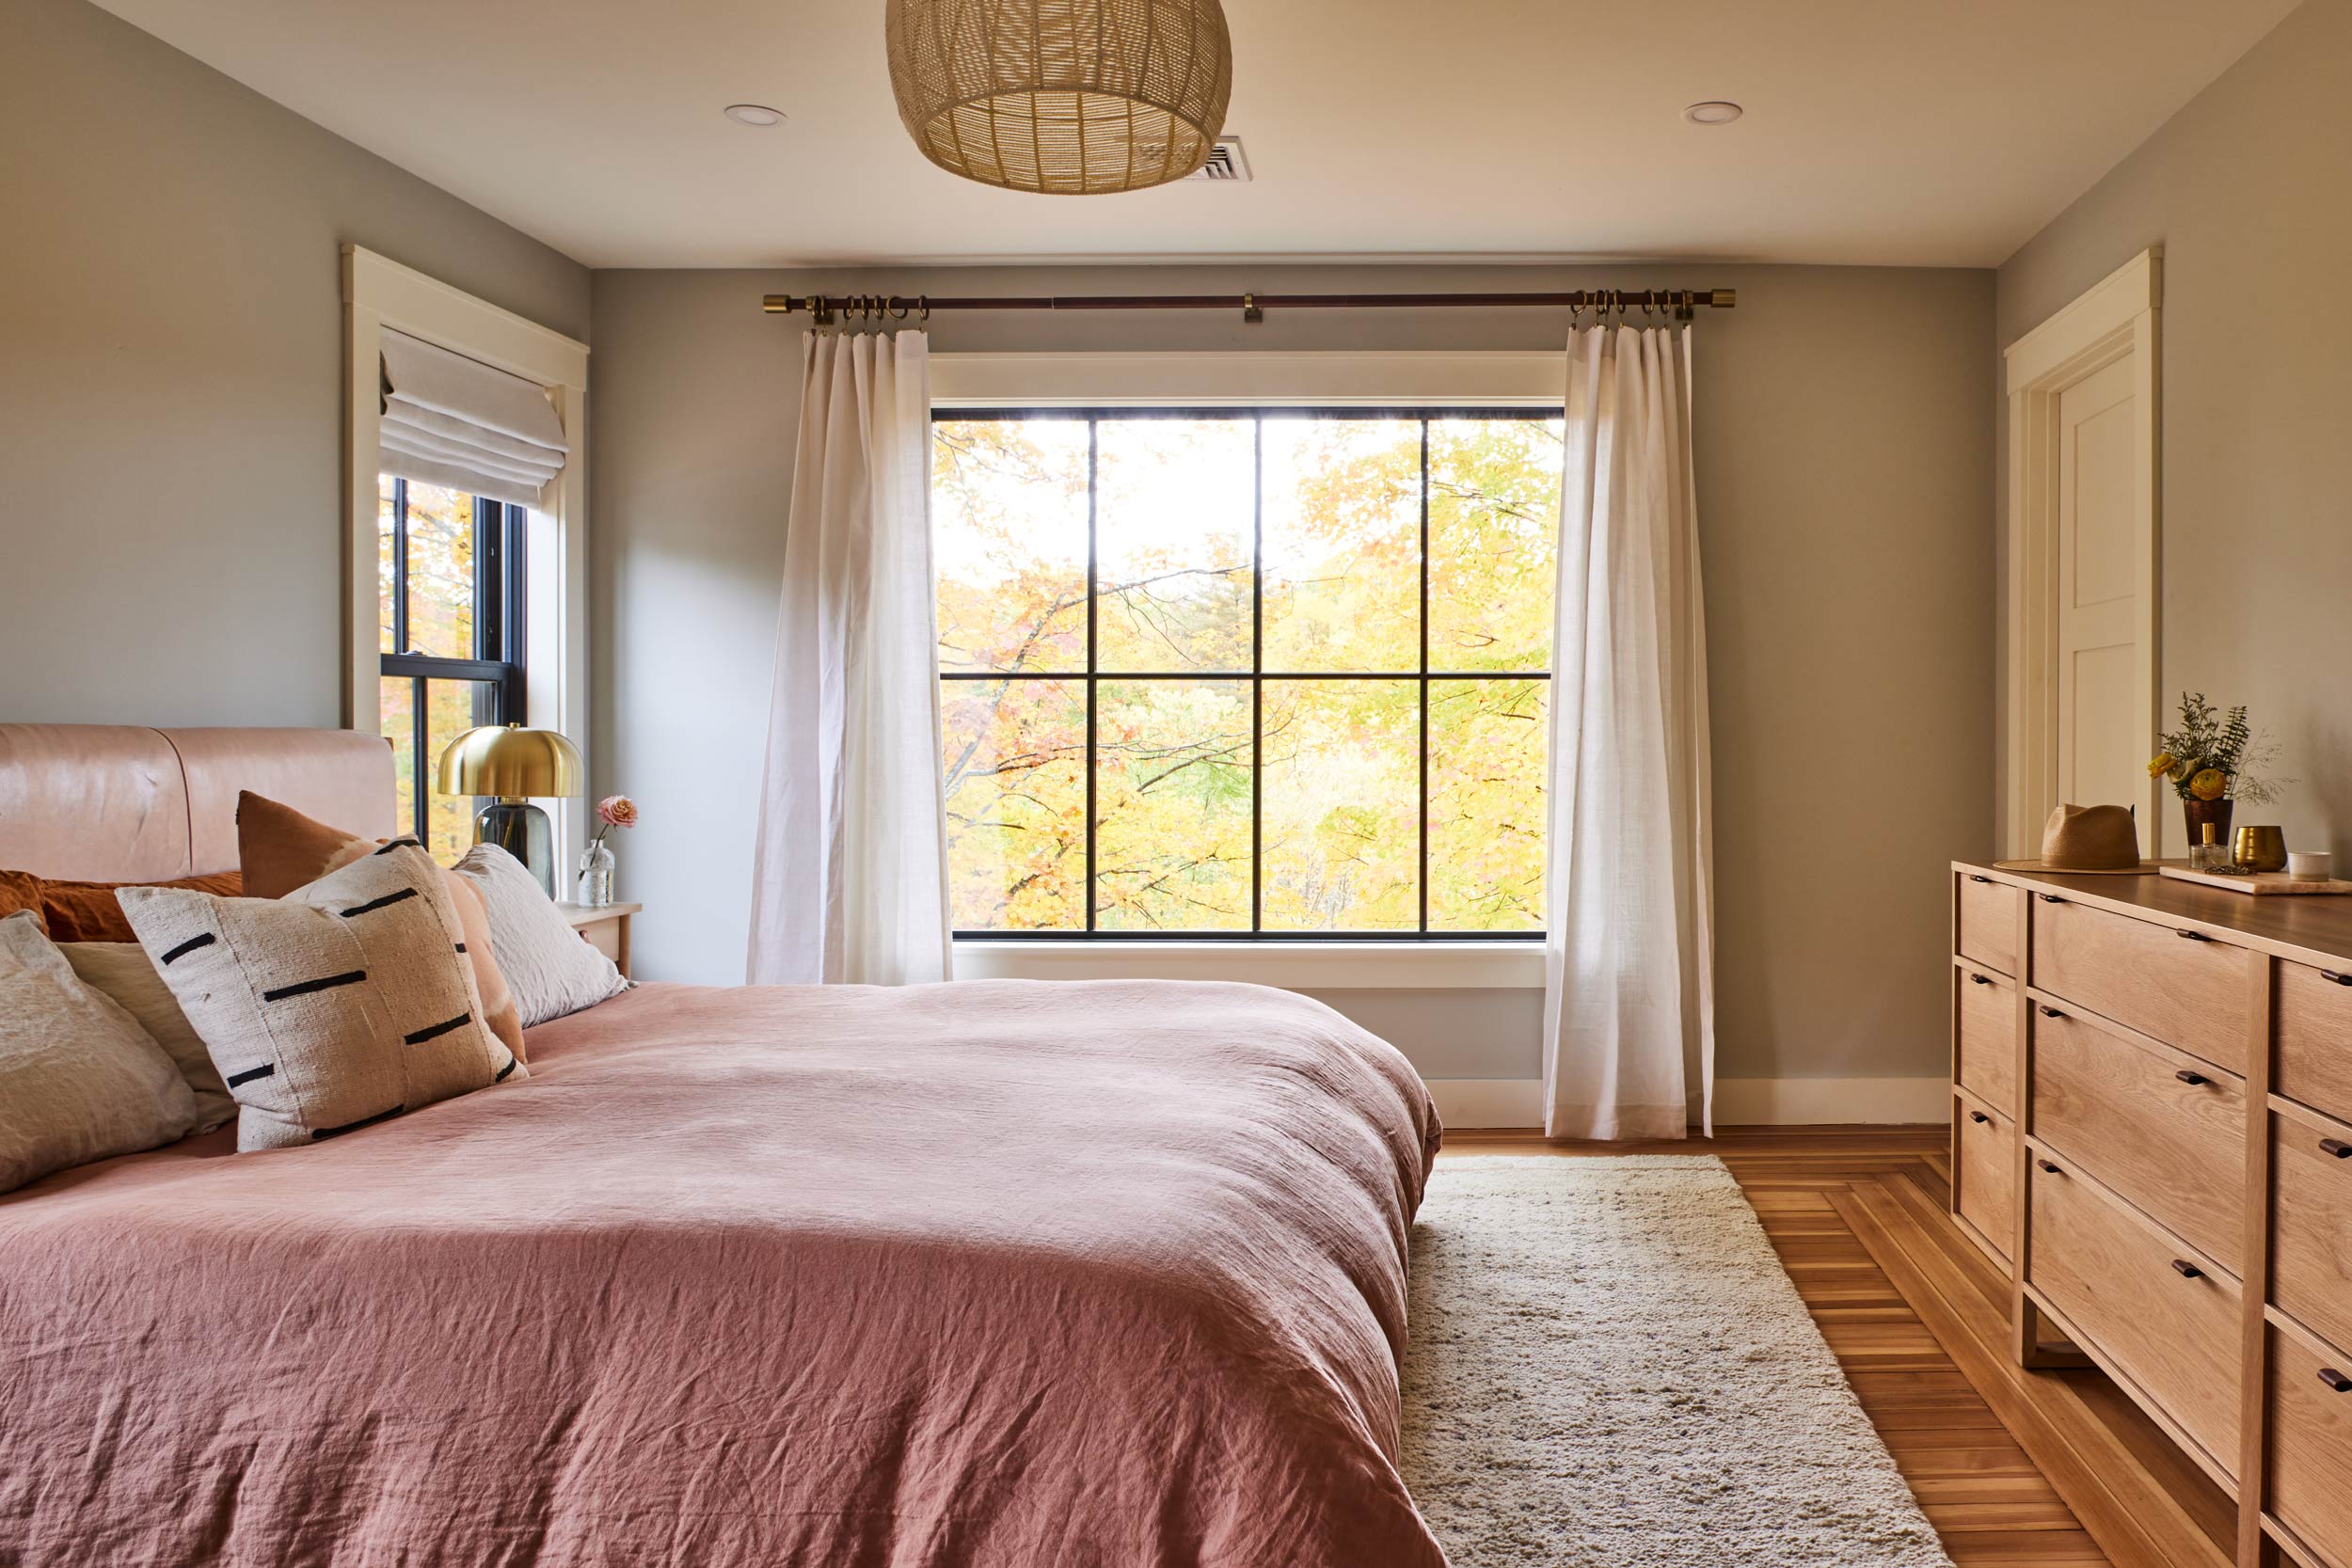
2152	1134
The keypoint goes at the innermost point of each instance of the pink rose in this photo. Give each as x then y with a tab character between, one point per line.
617	810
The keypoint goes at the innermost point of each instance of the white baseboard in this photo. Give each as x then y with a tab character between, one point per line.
1488	1102
1467	1102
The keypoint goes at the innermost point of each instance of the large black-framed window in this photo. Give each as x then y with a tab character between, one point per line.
450	636
1246	672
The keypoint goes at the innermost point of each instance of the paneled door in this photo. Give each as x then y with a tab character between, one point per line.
2102	739
2082	697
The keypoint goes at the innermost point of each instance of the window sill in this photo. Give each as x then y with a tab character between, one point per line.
1293	966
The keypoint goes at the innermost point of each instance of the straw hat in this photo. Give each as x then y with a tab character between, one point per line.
2100	841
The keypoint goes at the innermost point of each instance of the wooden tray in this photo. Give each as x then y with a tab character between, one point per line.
2257	882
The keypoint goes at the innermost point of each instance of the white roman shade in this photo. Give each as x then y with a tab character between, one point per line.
454	421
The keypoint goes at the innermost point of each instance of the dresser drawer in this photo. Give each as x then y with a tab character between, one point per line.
1984	1173
1984	1036
2162	1128
1988	921
2118	1277
2310	1445
2316	1037
2175	984
2310	1248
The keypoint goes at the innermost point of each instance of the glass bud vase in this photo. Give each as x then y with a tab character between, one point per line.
596	876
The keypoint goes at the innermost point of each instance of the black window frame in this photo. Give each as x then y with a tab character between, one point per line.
1257	675
498	631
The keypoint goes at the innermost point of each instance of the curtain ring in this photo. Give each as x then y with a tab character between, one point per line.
922	308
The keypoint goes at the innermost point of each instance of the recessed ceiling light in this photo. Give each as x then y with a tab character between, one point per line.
1714	111
754	114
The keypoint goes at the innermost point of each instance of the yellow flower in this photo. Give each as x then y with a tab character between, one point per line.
2161	764
2209	785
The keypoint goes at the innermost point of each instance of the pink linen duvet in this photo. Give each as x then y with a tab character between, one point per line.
998	1273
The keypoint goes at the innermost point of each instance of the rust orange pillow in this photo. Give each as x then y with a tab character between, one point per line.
86	912
20	890
280	849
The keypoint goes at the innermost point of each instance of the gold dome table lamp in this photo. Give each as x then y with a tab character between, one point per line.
514	764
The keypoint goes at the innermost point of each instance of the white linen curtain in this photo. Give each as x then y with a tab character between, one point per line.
1628	960
850	869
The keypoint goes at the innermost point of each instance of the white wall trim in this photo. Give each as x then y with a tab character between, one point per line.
1830	1101
2118	317
1519	1103
1497	1103
379	293
1290	966
1340	378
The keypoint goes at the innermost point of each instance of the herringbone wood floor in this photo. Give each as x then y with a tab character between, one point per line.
2015	1468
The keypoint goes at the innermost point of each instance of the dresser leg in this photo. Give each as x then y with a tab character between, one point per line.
2039	1346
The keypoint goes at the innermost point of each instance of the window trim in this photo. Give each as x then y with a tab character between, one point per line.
1256	412
380	293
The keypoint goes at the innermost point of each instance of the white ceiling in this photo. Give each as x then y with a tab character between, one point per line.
1901	131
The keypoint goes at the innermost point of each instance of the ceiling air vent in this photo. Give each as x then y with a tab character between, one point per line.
1226	162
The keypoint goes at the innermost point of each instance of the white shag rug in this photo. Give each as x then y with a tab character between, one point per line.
1608	1369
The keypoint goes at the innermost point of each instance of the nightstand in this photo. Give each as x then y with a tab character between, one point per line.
604	929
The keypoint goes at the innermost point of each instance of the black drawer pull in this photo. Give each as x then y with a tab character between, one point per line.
2192	1078
2048	1011
1979	1117
2190	936
2050	1168
2335	1379
2051	898
2339	980
2187	1270
1973	877
2336	1147
1980	980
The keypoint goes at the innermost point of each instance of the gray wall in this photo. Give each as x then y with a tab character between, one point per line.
1844	438
2249	190
172	373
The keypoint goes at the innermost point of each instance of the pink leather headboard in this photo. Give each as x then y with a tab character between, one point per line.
119	803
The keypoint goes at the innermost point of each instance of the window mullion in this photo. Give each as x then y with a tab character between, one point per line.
1422	818
1093	583
1256	675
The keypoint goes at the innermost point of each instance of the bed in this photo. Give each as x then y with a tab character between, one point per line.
993	1273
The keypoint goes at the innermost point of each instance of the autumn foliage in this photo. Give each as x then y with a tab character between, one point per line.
1285	545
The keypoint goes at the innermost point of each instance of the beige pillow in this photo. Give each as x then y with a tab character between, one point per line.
79	1079
550	971
122	971
344	1003
280	849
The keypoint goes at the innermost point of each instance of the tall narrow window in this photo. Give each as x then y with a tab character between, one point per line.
1272	672
450	638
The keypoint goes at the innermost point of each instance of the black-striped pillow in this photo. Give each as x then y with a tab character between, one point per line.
343	1004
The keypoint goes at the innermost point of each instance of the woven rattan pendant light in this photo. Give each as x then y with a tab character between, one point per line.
1066	97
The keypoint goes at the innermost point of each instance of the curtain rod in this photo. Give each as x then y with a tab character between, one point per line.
826	309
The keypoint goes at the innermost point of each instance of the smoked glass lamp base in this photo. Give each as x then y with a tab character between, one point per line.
522	830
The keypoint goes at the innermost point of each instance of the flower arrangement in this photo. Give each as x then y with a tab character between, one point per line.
613	811
2216	756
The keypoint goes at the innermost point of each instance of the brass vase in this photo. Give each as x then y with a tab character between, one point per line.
2262	849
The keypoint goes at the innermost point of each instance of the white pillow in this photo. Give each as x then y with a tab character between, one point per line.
123	971
79	1079
549	968
346	1002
